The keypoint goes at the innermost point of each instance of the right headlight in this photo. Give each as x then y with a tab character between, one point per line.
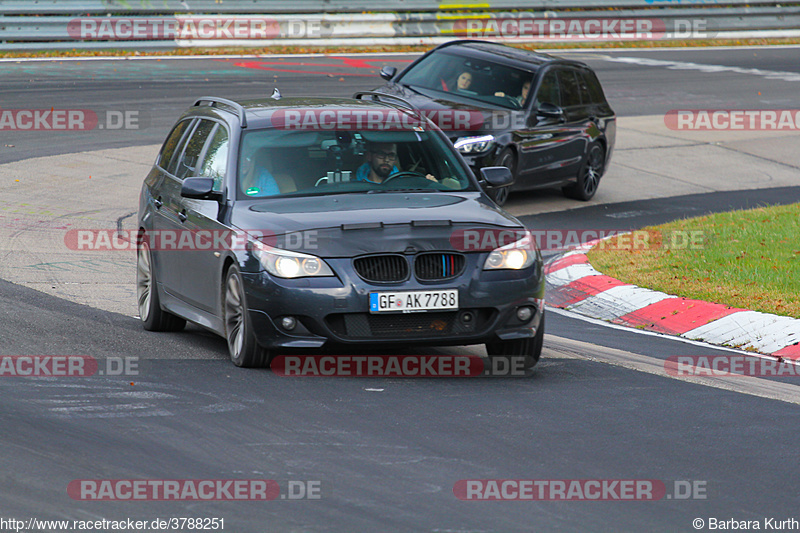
287	264
517	255
474	145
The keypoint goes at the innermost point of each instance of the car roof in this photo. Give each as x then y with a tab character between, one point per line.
258	113
500	53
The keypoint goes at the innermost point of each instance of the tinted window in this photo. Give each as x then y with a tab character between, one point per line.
468	77
548	90
188	162
570	91
172	142
593	87
216	159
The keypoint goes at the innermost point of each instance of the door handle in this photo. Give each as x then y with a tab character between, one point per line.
158	203
182	216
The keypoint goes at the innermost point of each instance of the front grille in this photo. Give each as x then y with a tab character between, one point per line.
438	266
382	268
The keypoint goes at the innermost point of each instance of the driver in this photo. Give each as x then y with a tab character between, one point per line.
381	159
526	87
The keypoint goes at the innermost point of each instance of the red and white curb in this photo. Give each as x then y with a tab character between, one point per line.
576	286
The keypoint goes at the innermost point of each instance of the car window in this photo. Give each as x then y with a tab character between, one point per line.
548	90
570	91
593	87
215	161
275	162
171	144
467	77
188	161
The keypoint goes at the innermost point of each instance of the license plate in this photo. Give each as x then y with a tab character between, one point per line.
412	301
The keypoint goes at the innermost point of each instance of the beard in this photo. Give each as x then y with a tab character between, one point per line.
383	170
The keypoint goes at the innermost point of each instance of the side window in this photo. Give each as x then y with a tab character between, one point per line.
188	163
548	90
216	159
170	145
593	87
570	92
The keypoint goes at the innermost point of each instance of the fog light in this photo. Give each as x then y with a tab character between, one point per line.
288	323
467	317
524	314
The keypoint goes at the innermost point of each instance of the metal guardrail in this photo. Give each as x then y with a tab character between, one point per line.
132	24
89	7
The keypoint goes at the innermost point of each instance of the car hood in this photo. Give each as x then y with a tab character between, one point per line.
352	224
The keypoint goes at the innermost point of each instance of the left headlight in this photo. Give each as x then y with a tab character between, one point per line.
517	255
474	145
287	264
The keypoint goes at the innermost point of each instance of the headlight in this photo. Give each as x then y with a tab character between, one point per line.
286	264
474	145
514	256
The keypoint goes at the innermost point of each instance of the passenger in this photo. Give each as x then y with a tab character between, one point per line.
257	180
464	81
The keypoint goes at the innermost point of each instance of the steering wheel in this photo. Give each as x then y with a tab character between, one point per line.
409	175
513	101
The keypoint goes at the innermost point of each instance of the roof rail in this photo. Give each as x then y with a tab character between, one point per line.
374	96
216	100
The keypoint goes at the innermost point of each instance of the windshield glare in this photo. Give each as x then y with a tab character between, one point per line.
467	77
276	162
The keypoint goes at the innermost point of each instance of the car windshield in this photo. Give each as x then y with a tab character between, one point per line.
277	162
472	78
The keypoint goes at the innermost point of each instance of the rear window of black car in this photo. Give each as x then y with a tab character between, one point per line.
172	143
592	85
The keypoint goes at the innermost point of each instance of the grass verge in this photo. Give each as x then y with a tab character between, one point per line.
748	259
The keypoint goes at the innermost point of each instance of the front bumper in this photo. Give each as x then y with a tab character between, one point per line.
335	310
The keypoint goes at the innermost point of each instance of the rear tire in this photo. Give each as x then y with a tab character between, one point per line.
243	348
589	175
506	159
530	347
152	316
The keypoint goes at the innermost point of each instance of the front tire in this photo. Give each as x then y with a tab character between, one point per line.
152	316
243	348
589	175
530	348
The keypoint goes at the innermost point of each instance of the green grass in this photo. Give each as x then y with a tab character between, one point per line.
748	259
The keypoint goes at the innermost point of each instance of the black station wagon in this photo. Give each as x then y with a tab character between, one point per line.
300	223
547	119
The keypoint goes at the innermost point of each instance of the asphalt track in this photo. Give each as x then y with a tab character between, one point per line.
388	452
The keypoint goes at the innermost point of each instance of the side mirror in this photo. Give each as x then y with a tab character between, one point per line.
496	177
200	189
548	110
388	73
